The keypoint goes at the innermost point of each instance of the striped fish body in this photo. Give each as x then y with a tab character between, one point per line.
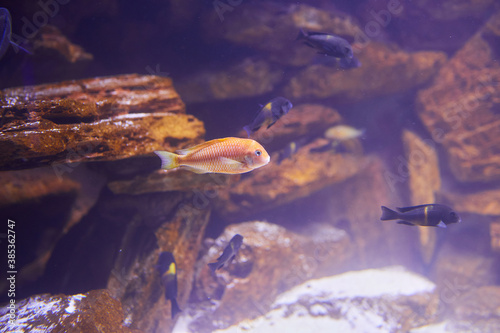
227	155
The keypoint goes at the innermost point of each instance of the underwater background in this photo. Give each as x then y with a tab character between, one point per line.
90	90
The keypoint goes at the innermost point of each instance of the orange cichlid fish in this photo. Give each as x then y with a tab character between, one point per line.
227	155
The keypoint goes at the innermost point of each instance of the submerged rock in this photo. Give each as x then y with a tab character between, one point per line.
273	27
385	70
486	202
274	185
271	260
94	311
460	109
374	300
104	118
55	204
248	77
178	180
476	311
173	222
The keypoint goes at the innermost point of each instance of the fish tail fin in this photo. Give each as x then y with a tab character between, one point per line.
175	307
213	266
168	160
301	35
388	214
248	130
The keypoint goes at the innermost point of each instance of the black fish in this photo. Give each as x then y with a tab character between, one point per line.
330	45
168	273
6	32
432	215
269	114
228	254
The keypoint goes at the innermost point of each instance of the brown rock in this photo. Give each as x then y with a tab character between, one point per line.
425	180
477	311
452	9
485	202
249	77
274	185
384	71
94	311
458	272
272	28
460	108
270	261
423	167
177	223
178	180
94	119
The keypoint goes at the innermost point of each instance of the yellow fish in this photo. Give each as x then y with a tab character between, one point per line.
343	132
227	155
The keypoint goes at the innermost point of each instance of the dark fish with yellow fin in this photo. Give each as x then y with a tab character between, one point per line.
168	273
228	254
227	155
269	114
432	215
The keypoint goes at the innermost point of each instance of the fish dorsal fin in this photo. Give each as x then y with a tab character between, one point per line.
200	146
407	209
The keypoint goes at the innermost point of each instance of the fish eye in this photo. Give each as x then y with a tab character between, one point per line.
258	153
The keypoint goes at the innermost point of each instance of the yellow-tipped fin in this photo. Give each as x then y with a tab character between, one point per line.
168	160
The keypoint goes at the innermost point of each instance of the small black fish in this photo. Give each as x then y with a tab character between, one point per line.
291	148
168	273
6	32
330	45
228	254
269	114
433	215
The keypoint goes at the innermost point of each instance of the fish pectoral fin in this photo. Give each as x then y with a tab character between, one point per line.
441	224
231	162
404	222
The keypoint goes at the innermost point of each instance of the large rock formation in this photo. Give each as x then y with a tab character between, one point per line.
94	119
384	300
385	70
95	311
460	109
